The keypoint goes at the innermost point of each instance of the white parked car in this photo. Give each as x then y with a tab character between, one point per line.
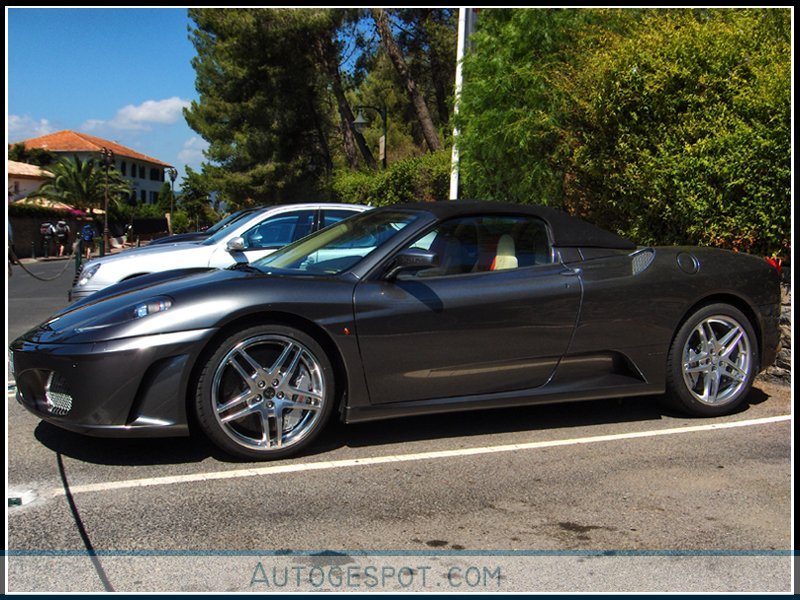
261	233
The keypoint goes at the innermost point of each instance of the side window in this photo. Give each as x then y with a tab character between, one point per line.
485	243
333	216
279	230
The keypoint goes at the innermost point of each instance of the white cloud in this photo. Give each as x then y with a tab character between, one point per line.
192	151
141	117
25	127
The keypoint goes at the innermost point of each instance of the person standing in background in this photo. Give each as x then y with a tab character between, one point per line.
62	236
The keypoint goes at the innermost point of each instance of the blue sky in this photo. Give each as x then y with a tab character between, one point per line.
123	74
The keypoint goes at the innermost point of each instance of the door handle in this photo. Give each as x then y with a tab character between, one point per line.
571	272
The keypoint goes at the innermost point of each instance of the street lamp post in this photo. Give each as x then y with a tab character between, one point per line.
173	175
106	159
360	122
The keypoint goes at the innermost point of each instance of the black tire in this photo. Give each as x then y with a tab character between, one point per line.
712	362
265	393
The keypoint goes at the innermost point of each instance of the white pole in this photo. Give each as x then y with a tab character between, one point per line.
462	42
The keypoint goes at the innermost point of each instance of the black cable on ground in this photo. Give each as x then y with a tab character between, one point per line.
81	529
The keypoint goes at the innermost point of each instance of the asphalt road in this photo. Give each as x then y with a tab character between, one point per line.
607	496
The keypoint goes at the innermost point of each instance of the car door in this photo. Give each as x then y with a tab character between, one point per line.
495	315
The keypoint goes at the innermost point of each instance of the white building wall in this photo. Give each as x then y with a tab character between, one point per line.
141	181
20	187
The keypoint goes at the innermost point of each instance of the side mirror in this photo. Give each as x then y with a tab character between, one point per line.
411	259
235	245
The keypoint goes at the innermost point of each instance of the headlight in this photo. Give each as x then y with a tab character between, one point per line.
87	274
138	311
151	307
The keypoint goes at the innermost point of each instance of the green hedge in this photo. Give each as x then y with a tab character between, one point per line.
684	134
417	179
34	211
665	125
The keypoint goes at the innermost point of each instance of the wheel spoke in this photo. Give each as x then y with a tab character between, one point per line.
274	370
711	336
704	344
277	416
711	383
291	368
266	437
245	412
257	368
728	345
696	369
242	373
243	397
734	371
307	393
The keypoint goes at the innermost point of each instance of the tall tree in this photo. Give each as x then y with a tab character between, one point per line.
261	106
195	198
415	94
427	37
329	57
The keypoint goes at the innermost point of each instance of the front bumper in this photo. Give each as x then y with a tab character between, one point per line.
129	387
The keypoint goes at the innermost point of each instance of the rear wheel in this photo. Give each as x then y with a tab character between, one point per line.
265	393
712	362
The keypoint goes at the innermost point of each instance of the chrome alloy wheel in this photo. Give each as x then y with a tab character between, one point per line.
268	393
716	360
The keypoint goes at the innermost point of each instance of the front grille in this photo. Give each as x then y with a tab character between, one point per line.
58	400
77	276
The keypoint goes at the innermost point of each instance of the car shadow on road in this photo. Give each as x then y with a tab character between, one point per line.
135	451
464	424
565	415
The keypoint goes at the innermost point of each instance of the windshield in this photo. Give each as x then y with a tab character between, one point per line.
230	219
339	247
235	218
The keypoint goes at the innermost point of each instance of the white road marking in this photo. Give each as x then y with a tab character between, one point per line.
379	460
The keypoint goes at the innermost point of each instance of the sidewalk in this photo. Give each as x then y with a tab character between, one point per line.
114	250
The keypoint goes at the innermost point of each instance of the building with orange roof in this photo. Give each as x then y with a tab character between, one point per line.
24	179
146	174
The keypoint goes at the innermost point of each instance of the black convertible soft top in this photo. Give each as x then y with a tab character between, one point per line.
567	231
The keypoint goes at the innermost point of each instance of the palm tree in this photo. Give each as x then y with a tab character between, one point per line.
83	183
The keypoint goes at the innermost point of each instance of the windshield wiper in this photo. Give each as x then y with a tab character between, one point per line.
243	266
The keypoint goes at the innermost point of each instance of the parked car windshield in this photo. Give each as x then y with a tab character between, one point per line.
229	220
235	218
337	248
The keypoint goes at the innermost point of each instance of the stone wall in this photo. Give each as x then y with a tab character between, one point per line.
782	368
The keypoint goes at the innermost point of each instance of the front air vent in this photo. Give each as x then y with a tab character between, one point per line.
58	400
77	276
641	259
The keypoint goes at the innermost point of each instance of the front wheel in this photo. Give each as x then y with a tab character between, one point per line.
265	393
712	362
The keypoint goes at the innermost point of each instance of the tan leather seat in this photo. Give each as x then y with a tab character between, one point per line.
506	257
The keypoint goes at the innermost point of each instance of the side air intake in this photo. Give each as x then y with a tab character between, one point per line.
641	259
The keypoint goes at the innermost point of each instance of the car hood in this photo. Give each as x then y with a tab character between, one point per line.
107	314
141	282
160	247
146	252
